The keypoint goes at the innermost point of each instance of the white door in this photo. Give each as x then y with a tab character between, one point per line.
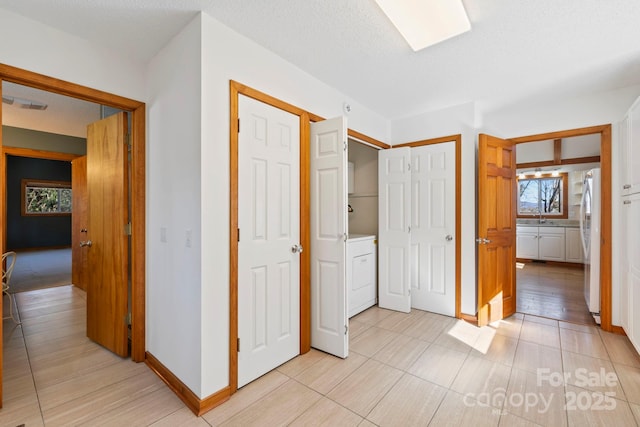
329	305
433	226
269	223
394	228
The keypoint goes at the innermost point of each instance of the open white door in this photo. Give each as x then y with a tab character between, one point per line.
268	246
329	314
394	231
433	225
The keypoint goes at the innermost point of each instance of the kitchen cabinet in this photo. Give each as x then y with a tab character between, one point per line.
526	242
551	243
361	273
573	245
543	243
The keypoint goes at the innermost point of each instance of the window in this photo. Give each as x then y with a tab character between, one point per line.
41	197
545	195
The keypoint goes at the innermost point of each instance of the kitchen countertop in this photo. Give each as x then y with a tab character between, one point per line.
568	223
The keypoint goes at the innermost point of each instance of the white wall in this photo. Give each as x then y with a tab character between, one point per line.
450	121
36	47
174	288
364	218
228	56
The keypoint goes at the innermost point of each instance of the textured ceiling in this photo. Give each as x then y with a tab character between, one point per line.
516	50
63	116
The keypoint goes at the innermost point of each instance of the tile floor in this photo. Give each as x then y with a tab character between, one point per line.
403	369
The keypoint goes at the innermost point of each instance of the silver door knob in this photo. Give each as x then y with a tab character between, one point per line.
87	243
449	237
296	249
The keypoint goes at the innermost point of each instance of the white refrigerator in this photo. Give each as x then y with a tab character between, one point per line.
590	232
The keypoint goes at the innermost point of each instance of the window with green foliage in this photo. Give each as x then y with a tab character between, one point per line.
43	197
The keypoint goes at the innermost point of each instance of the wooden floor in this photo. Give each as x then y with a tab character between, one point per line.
553	291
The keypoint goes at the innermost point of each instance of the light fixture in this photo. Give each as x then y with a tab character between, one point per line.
538	174
522	175
426	22
555	173
24	103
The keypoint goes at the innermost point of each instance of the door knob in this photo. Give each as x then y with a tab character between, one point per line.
449	237
87	243
296	249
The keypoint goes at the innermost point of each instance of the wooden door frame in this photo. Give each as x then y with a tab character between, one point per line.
606	206
457	139
235	90
137	110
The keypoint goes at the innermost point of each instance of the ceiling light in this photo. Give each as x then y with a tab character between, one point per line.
538	174
555	173
522	175
24	103
426	22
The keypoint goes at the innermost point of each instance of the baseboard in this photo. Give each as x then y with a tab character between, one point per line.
618	330
42	248
469	318
198	406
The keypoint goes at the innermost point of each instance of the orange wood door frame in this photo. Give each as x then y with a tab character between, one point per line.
138	113
606	215
458	221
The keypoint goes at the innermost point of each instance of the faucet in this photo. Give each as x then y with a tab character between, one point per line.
541	219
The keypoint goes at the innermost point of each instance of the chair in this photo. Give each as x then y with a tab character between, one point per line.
8	262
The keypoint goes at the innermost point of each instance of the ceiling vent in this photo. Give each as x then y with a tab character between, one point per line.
24	103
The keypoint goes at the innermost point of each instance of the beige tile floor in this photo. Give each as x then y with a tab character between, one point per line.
403	370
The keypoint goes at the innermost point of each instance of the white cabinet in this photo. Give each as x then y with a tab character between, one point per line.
547	243
526	242
551	243
630	143
361	273
573	245
630	294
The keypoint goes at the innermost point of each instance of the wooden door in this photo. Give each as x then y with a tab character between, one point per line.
79	220
394	229
329	229
269	238
433	226
107	242
496	229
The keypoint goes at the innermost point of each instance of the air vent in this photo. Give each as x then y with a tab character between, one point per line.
24	103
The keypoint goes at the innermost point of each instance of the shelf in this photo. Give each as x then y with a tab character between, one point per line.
357	195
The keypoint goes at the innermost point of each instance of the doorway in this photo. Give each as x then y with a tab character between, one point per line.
37	81
550	274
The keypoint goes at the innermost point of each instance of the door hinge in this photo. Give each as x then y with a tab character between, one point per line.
128	141
345	237
346	329
238	345
127	318
127	229
344	144
238	234
238	125
408	166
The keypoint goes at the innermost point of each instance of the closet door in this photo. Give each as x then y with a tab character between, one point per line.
329	305
394	240
433	225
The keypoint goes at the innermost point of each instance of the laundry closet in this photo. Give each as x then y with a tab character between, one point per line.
362	208
402	198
